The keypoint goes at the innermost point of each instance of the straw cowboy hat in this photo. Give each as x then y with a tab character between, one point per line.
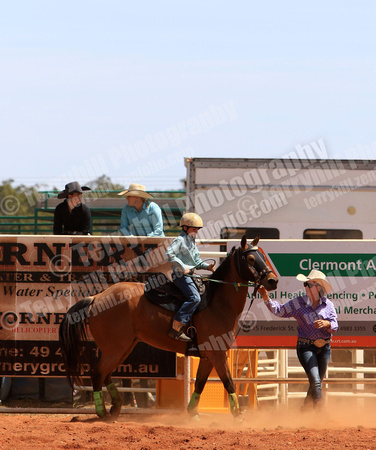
136	190
71	188
318	277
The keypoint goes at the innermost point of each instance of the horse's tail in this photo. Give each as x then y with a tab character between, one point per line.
72	336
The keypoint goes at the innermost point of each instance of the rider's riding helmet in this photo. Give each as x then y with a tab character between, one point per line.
191	220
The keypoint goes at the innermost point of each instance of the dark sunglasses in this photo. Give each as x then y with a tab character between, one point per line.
308	284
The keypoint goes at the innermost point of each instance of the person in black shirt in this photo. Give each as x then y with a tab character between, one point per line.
72	216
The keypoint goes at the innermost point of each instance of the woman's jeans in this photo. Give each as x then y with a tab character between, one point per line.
191	296
314	361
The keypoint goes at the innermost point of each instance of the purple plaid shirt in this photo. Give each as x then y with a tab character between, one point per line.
302	310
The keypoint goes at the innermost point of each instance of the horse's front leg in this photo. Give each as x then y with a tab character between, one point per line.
204	368
220	363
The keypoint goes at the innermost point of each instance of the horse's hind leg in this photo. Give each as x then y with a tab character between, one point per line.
99	374
116	400
102	375
204	368
219	360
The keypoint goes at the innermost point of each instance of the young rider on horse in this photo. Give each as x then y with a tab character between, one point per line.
184	256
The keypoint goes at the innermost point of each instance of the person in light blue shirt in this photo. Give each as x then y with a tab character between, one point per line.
184	256
140	217
317	322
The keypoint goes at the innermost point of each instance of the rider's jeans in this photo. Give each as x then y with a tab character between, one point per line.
314	361
191	295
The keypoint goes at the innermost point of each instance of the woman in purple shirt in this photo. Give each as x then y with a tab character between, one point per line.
317	322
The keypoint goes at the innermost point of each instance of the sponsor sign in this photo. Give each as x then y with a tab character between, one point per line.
350	267
41	277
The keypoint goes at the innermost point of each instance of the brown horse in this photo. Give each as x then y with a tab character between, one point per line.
124	316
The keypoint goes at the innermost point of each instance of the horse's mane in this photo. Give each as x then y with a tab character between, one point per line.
220	273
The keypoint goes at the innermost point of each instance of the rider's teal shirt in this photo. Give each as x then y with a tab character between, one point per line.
183	253
147	222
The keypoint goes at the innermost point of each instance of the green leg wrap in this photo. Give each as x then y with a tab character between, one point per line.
193	404
99	404
115	396
234	404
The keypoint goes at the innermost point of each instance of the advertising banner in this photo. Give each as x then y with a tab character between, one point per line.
350	267
41	277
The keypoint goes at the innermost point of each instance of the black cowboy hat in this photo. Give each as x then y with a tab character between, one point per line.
71	188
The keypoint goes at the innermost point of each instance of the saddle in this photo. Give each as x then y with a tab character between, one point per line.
161	291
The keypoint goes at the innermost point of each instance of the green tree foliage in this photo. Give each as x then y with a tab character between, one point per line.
105	186
17	200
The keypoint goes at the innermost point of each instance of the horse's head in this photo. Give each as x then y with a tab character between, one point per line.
251	266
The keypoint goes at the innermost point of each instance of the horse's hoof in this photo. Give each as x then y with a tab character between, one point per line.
103	414
115	412
195	418
239	418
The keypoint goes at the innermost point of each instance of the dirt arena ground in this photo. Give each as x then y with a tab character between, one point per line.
338	428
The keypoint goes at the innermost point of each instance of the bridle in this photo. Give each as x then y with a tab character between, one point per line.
251	272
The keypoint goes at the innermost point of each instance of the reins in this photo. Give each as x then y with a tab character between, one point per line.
204	278
235	284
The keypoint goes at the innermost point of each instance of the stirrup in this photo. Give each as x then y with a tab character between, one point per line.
179	335
193	351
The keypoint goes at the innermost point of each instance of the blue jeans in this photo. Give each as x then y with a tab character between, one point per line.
191	295
314	361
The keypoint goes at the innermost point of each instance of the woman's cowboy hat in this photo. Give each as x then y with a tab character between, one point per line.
70	188
136	190
318	277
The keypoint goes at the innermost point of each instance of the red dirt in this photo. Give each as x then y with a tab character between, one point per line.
271	428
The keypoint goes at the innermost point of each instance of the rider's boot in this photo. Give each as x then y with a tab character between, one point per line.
177	332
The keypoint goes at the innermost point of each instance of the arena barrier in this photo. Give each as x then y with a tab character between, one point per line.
42	276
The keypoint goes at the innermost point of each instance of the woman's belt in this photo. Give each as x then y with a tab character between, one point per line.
317	342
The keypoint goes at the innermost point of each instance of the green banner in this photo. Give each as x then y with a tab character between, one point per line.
332	264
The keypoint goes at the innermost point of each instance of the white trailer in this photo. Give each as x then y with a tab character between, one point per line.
283	198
